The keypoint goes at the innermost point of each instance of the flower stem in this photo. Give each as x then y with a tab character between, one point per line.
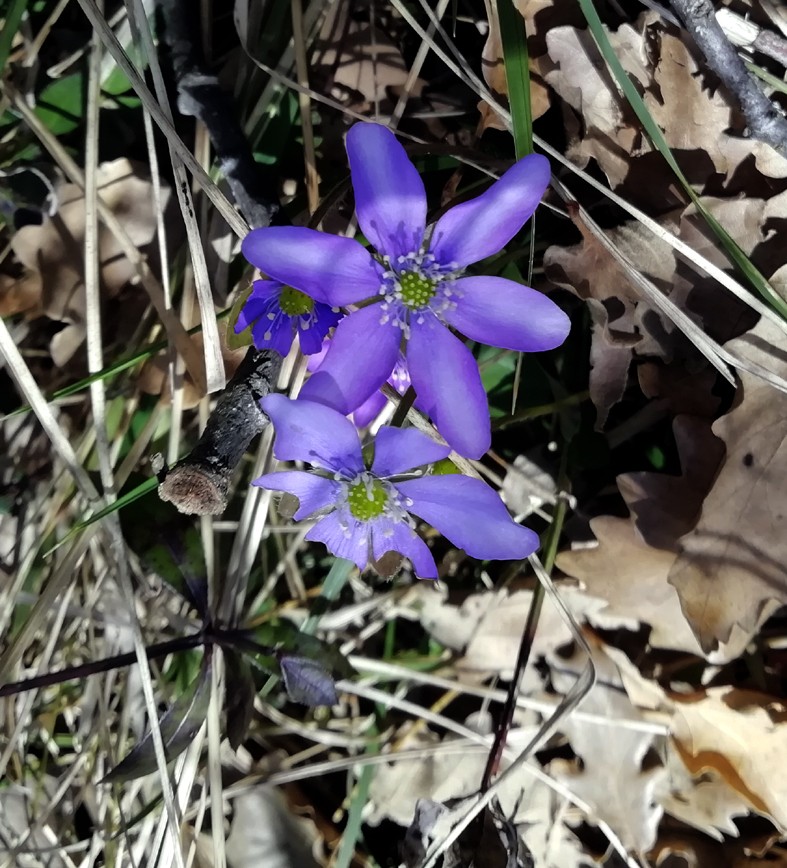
529	632
403	408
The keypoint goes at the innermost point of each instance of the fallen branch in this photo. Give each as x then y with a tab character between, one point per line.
199	484
764	120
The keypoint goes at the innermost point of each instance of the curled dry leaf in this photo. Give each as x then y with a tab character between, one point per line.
622	321
494	70
743	738
613	778
53	253
731	569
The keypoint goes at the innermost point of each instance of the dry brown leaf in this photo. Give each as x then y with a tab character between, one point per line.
705	801
684	392
742	737
631	577
612	778
445	776
621	320
488	628
579	76
690	113
494	71
363	67
731	569
757	226
153	379
666	507
19	295
53	254
695	115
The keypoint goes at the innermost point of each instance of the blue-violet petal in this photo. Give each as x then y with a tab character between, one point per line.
359	360
390	199
469	514
502	313
328	268
473	230
448	383
312	432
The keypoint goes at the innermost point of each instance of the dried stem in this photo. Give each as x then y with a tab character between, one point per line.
762	116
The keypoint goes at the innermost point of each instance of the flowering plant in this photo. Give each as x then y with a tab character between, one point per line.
276	313
367	511
414	290
371	408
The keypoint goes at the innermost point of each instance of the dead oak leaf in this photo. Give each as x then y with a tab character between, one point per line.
613	778
53	252
743	738
494	71
689	112
665	507
731	569
631	577
622	321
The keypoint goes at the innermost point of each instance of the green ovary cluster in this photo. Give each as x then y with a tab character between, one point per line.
416	290
293	302
367	499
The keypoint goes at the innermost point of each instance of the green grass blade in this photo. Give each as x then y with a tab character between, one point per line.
13	18
513	38
734	252
140	491
110	370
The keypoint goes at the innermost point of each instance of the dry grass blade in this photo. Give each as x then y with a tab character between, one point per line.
223	205
175	331
35	398
305	106
95	355
214	363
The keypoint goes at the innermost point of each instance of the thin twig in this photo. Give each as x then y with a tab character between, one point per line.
763	118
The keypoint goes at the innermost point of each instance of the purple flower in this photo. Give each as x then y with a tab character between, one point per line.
414	288
367	511
371	408
276	312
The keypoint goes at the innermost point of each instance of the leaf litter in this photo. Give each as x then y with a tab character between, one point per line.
671	556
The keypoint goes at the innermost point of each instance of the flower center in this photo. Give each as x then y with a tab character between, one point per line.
416	289
293	302
413	286
367	498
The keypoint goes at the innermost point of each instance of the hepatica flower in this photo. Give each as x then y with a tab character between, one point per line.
368	511
371	408
413	291
276	313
